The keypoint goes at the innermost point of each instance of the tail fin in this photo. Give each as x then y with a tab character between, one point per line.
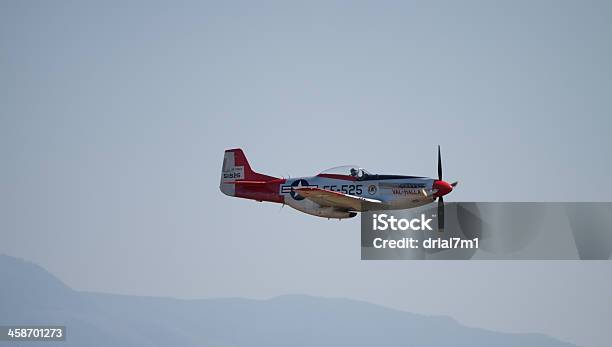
236	168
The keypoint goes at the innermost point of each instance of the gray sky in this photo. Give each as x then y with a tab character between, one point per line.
114	118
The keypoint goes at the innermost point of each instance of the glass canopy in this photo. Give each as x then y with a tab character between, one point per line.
348	170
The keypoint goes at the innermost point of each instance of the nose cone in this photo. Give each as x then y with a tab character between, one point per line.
442	188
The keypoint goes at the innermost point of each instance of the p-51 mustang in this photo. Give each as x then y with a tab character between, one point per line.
339	192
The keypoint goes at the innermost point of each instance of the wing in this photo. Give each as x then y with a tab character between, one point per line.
325	197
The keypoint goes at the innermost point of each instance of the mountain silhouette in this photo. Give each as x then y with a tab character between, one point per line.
30	295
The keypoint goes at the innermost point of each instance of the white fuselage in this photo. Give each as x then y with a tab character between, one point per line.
396	193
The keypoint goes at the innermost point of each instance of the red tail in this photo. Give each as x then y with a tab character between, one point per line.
236	162
238	179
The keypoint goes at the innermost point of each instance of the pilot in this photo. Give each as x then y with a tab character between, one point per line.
354	172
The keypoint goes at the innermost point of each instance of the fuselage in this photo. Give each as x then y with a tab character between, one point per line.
398	192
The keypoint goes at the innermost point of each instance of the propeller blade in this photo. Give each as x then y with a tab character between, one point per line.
454	184
440	214
439	164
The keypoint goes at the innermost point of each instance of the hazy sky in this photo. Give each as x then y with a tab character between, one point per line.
114	118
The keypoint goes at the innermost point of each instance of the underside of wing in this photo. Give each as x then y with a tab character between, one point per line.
339	200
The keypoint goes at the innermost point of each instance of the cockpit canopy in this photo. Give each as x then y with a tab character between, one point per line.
347	170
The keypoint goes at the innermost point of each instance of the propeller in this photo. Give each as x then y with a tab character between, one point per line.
439	164
441	188
440	198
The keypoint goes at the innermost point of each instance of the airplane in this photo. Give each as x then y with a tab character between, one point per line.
340	192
